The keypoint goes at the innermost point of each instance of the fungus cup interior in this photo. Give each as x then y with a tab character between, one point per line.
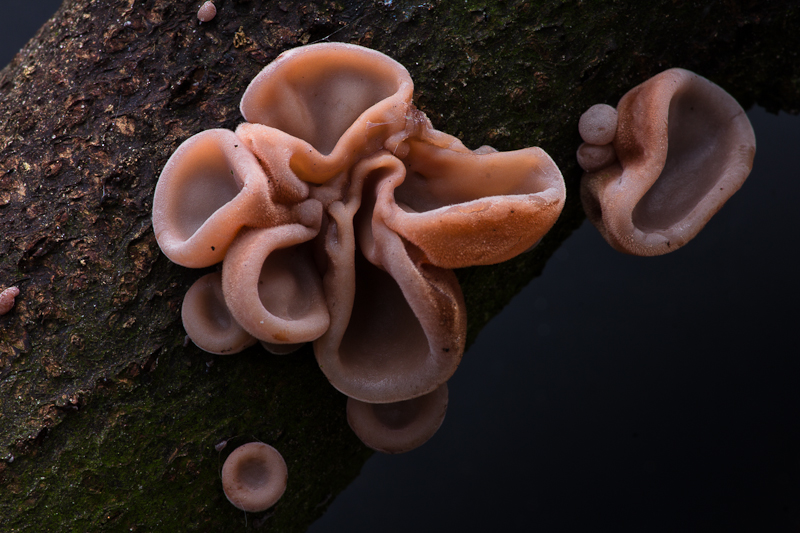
683	147
701	137
213	185
438	178
254	477
317	93
384	337
206	183
207	320
207	191
400	426
282	286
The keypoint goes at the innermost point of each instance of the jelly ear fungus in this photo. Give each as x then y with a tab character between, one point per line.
682	147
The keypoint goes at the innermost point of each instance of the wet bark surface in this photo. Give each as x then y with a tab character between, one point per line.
108	420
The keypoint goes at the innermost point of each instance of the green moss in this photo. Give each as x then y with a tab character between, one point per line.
151	462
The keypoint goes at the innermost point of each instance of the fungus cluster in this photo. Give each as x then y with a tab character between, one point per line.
681	147
337	213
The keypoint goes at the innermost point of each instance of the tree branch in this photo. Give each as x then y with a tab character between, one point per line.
108	421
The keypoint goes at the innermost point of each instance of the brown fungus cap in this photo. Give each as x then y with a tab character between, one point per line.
254	477
684	147
398	427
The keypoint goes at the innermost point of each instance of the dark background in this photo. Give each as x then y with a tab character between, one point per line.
614	393
626	394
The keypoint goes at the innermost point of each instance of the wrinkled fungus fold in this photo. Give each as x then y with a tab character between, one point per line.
682	147
328	105
338	213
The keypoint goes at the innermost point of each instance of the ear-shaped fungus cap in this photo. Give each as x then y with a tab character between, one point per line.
254	477
327	105
465	208
272	286
207	320
684	147
398	427
210	188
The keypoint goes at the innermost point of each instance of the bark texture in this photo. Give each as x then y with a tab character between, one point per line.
108	422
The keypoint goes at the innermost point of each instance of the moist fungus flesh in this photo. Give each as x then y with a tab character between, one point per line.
682	147
207	12
401	426
254	477
7	299
207	320
338	213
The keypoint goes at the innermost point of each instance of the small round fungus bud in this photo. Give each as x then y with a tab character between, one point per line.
7	299
598	124
592	157
254	477
207	12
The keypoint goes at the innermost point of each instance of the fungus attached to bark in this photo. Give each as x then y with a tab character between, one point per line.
684	146
207	12
207	320
338	212
401	426
254	477
7	299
